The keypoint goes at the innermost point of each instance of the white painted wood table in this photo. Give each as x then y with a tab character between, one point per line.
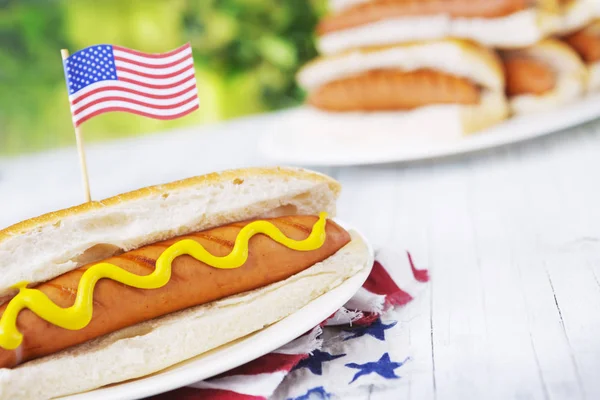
511	236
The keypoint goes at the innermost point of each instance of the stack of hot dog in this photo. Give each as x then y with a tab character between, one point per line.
451	67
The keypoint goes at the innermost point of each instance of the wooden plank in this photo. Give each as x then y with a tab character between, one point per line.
411	233
460	337
497	209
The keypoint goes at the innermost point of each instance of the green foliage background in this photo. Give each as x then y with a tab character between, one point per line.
246	53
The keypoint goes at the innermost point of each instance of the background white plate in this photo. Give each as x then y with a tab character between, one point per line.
241	351
294	141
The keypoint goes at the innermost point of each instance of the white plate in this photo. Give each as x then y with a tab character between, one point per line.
298	137
241	351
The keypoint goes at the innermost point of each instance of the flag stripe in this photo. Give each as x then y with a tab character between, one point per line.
140	108
154	83
133	110
212	394
168	105
271	362
115	91
179	71
130	87
150	55
253	385
421	275
171	67
128	61
179	65
153	61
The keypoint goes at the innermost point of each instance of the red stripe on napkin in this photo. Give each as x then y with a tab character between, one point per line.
380	282
421	275
188	393
271	362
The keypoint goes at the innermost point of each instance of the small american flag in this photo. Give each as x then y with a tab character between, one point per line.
105	78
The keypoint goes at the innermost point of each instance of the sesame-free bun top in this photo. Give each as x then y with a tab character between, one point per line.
45	247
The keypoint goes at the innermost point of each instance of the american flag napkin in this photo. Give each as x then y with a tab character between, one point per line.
349	350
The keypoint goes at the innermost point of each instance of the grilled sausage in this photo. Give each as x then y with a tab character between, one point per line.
192	283
378	10
394	90
528	76
586	44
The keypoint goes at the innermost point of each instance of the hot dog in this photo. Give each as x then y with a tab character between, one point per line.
586	42
493	23
265	250
543	77
394	90
378	10
527	76
192	283
452	79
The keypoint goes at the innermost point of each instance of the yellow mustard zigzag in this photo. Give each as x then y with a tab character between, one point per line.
79	315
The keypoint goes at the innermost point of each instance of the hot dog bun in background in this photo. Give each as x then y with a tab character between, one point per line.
451	83
498	23
127	228
586	42
543	76
574	15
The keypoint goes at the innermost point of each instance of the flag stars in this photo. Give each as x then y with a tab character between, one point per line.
315	362
89	66
376	330
383	367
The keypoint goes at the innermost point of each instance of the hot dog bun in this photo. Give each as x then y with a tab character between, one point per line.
192	282
594	77
157	344
503	24
160	213
574	15
586	42
454	58
47	246
570	74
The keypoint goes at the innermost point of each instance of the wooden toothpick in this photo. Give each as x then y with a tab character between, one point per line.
80	149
